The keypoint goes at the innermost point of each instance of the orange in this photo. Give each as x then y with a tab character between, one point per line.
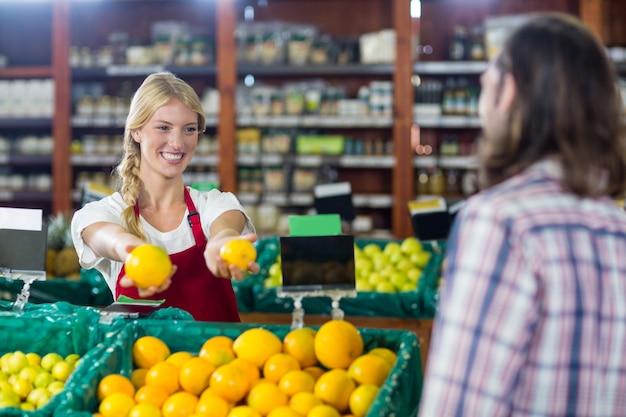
148	351
389	355
323	410
138	377
334	388
251	371
219	340
164	375
178	358
297	381
243	411
284	411
256	345
266	396
211	405
180	404
116	404
217	354
238	252
148	265
299	343
115	383
229	382
369	369
362	399
145	410
278	365
195	375
302	402
315	371
151	394
337	344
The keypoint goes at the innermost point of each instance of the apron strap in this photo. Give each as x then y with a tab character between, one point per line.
194	221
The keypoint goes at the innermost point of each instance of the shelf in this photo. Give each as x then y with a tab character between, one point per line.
25	123
79	73
26	72
94	160
316	121
86	122
26	160
345	161
32	196
303	199
111	160
312	70
452	122
446	162
450	67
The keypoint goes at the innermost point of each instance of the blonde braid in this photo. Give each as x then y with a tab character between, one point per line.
128	171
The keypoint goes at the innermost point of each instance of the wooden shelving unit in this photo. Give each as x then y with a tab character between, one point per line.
226	70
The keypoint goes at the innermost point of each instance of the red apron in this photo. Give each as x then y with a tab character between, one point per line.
194	288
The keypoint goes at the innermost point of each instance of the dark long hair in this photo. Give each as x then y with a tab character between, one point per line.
567	104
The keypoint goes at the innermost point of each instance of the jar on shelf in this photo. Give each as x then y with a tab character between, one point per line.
436	182
423	186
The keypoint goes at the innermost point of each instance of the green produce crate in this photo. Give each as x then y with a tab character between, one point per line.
370	304
49	291
428	286
60	328
399	396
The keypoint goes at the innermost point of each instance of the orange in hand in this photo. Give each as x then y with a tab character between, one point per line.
148	265
238	252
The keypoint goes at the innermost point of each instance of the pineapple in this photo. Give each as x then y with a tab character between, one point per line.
61	257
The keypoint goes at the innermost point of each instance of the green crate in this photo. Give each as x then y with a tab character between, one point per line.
399	396
428	286
60	328
370	304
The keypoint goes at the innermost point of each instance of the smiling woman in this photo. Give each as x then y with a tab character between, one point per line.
154	206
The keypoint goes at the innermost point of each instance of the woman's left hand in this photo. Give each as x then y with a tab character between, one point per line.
219	267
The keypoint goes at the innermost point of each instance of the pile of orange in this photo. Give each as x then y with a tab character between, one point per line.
309	373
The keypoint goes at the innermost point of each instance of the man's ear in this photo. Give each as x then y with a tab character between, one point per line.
508	92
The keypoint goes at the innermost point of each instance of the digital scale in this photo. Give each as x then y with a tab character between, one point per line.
316	261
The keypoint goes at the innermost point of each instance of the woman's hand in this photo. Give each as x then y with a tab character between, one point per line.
127	282
218	266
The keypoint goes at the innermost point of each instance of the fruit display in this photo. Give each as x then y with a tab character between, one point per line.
29	380
165	369
306	368
61	257
431	284
389	279
387	268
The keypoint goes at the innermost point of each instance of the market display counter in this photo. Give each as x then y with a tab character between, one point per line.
104	343
421	327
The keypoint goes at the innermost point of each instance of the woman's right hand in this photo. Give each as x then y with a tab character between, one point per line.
127	282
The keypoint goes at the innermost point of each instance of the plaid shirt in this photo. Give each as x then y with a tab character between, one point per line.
532	318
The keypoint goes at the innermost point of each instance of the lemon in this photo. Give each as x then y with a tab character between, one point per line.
148	265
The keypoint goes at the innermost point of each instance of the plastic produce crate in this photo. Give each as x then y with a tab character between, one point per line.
60	328
428	287
399	396
407	304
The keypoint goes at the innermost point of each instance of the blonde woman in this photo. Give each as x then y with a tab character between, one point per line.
154	206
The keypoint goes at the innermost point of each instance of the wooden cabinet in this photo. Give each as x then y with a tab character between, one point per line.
38	40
